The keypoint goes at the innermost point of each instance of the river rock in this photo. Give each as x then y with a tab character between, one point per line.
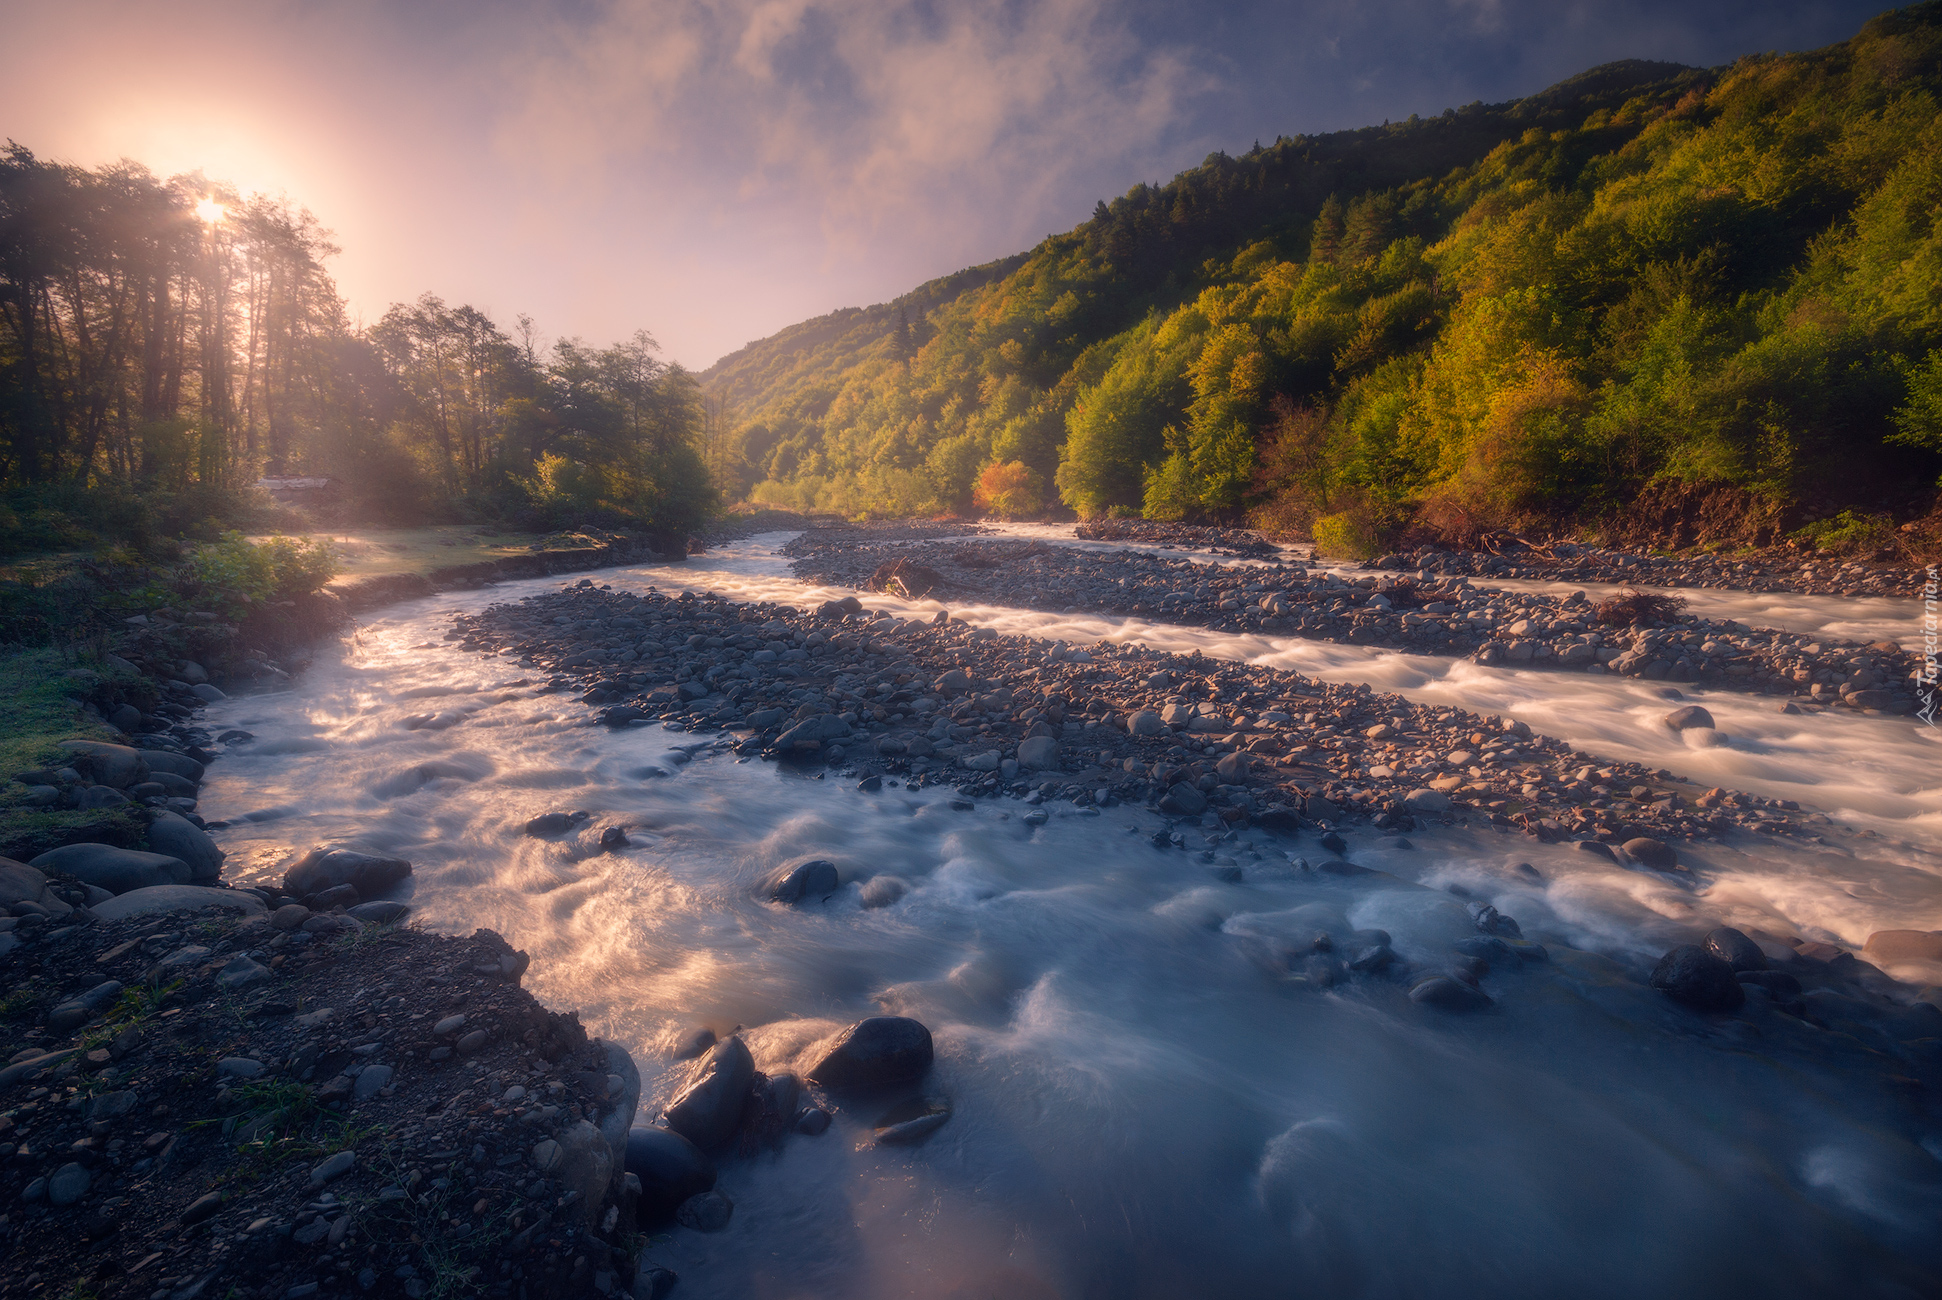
1183	801
169	898
176	836
1427	801
112	765
1449	994
708	1212
670	1167
1038	753
322	868
882	891
242	972
68	1184
72	1014
810	733
370	1082
1736	949
162	760
586	1166
1144	722
909	1123
874	1053
1654	855
1695	977
116	870
1689	717
382	912
331	1167
805	882
708	1110
20	883
1885	947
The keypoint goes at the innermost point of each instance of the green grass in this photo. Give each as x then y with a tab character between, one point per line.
37	717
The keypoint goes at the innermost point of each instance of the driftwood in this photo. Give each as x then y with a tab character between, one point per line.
910	581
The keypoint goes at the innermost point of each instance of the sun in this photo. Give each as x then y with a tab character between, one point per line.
211	211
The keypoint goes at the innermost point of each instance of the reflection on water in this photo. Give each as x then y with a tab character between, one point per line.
1145	1104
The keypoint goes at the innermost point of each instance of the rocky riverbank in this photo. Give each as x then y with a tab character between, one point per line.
1211	746
214	1101
1776	569
1448	616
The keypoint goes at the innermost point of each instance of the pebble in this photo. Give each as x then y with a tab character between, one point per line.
68	1184
335	1166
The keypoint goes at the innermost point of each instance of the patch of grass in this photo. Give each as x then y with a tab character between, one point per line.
293	1127
25	1000
42	709
1849	533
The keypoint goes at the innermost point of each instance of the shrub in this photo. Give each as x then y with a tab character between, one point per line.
1010	491
1346	535
234	574
1849	532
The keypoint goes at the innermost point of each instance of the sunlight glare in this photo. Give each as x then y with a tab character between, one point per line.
210	212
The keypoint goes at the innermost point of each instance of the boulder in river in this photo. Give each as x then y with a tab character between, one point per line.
178	837
163	760
325	867
1653	855
115	870
805	882
1448	993
876	1053
1736	949
1896	947
1688	717
1691	975
707	1111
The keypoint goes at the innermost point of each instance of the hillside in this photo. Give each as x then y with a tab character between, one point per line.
1648	278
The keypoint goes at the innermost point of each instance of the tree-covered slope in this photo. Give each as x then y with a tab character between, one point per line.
1725	276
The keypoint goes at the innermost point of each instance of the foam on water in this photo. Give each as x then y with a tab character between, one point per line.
1145	1103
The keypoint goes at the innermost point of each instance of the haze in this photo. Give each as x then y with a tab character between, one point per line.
715	172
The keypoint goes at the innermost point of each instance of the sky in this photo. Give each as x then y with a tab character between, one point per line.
712	172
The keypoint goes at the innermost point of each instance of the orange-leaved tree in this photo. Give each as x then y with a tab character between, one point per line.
1010	491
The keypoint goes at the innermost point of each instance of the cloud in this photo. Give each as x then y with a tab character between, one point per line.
860	116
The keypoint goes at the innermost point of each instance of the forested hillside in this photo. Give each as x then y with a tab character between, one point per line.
164	343
1647	275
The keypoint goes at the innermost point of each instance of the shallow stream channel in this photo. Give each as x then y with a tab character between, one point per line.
1145	1101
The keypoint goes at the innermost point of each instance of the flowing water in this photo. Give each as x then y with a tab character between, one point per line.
1146	1104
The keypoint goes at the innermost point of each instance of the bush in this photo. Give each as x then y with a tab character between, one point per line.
234	575
1009	491
1849	533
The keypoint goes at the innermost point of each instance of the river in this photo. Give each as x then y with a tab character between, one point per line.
1145	1103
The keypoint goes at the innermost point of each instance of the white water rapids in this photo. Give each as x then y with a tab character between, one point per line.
1143	1105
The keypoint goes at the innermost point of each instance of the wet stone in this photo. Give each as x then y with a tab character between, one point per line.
1696	978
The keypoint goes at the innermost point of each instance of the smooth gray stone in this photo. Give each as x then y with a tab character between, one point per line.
170	898
370	1081
116	870
809	881
322	868
670	1167
708	1110
1695	977
176	836
877	1052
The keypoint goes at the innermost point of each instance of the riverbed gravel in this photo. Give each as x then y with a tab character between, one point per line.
1419	613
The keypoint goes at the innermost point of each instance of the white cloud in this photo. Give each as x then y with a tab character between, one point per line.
860	117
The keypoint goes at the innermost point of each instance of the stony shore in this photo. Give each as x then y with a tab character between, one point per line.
1416	613
1208	744
1779	569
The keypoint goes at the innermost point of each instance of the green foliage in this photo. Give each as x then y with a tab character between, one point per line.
1849	532
235	575
1500	314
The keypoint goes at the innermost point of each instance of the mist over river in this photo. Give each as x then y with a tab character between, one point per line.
1146	1102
